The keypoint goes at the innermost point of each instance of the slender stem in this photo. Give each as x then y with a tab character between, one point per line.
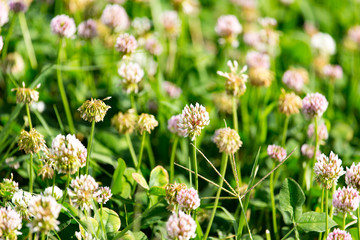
273	209
195	166
132	101
326	212
245	114
286	124
288	234
322	208
141	151
62	91
222	176
27	40
101	221
344	221
149	151
31	174
267	234
235	117
171	56
66	188
89	146
172	158
53	184
331	206
358	221
315	151
8	36
28	115
42	236
131	148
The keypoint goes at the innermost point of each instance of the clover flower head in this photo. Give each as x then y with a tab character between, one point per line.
10	223
352	176
181	226
4	13
235	80
68	154
87	29
63	26
323	134
323	43
82	191
308	151
173	125
354	34
188	199
171	89
314	104
8	187
257	59
57	193
289	103
295	78
31	142
21	200
346	200
103	195
227	140
338	234
45	211
146	123
126	43
193	120
223	102
125	122
172	190
333	71
228	28
261	77
26	95
47	170
94	110
276	152
141	25
18	6
131	74
153	45
171	23
328	169
115	17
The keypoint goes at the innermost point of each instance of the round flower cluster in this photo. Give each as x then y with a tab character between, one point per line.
173	125
235	81
21	200
31	142
276	152
323	44
333	71
181	226
131	74
10	223
227	140
18	5
308	151
171	89
354	34
172	191
346	200
223	102
328	169
93	110
47	170
338	234
193	120
4	13
125	122
261	77
314	104
103	195
188	199
289	103
352	176
56	192
45	211
153	45
7	188
67	153
63	26
295	78
171	23
115	17
87	29
146	122
141	25
82	191
26	95
256	59
322	132
126	43
228	28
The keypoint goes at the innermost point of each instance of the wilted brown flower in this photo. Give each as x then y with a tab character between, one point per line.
289	103
31	142
146	122
26	95
261	77
125	122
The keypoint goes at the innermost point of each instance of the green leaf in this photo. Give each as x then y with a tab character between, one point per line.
110	219
129	235
91	225
140	180
159	177
157	191
314	222
291	200
116	185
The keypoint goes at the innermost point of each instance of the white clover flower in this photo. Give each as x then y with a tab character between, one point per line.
257	59
171	23
295	78
352	177
57	193
227	140
314	104
323	134
328	169
188	199
346	200
323	43
10	223
126	43
87	29
235	80
82	191
276	152
103	195
141	25
181	226
131	75
173	125
338	234
63	26
171	89
228	28
21	200
115	17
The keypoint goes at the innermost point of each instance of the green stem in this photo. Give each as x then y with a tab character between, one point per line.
28	115
101	221
322	208
326	213
195	166
62	91
131	148
358	222
27	40
53	184
172	158
344	221
149	151
286	124
141	151
8	36
222	177
245	114
315	151
171	56
235	117
31	174
288	234
132	101
273	209
89	146
267	234
42	236
66	188
331	206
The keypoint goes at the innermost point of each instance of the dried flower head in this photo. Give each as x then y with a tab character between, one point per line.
26	95
7	188
131	74
289	103
171	23
82	191
94	110
18	6
181	226
141	25
228	28
235	80
173	125
346	200
314	105
171	89
146	122
333	72
55	192
63	26
4	13
115	17
47	170
21	200
103	195
257	59
126	43
10	223
352	176
308	151
276	152
295	78
188	199
125	122
323	44
338	234
322	132
261	77
227	140
31	142
45	211
67	153
172	191
328	169
193	120
87	29
223	102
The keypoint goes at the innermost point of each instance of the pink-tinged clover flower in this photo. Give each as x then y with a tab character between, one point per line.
314	105
181	226
328	169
